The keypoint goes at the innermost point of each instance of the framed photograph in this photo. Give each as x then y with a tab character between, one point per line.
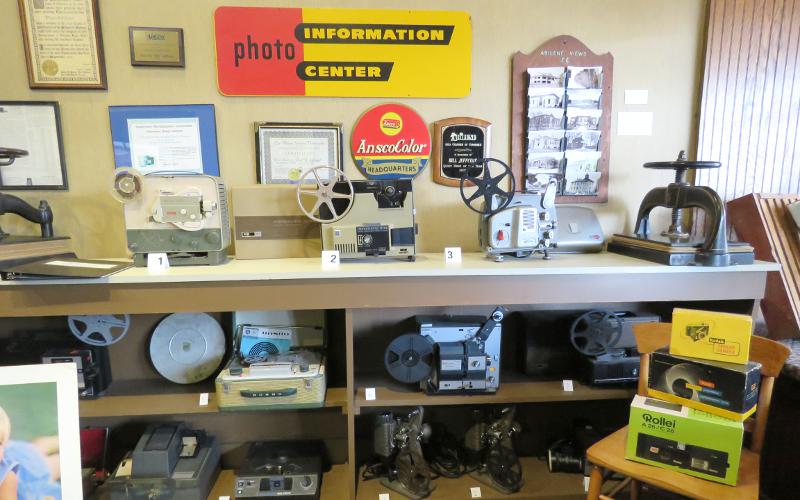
39	430
166	139
156	46
63	44
35	127
286	151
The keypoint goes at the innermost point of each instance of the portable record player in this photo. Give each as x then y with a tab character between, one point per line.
274	368
281	469
675	247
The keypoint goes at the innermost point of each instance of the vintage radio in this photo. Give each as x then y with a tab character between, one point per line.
371	218
184	216
274	368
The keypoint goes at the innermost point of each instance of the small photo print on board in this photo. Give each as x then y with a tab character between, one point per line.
547	141
583	186
582	140
545	119
545	97
583	119
544	163
578	98
585	77
546	77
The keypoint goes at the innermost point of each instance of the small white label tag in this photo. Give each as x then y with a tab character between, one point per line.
203	399
568	385
586	481
330	258
383	496
475	492
157	262
226	497
369	393
452	255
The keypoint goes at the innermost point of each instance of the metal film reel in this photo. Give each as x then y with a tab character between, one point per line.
325	194
487	187
101	330
126	184
594	332
187	347
409	358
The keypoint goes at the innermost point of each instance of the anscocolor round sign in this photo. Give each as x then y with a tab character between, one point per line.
391	141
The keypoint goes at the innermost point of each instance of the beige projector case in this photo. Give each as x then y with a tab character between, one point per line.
267	393
268	224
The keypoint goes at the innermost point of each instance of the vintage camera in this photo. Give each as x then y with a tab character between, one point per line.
449	354
371	218
184	216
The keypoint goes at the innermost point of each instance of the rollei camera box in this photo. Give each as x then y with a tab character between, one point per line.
725	389
717	336
683	439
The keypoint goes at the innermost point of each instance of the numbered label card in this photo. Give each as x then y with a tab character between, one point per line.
157	262
369	394
452	255
330	258
475	492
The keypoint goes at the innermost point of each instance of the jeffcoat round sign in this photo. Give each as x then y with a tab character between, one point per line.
391	141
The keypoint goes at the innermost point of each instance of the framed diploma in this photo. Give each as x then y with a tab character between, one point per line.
63	44
35	127
156	46
166	139
458	144
287	150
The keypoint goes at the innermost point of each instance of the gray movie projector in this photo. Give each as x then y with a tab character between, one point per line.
184	216
372	218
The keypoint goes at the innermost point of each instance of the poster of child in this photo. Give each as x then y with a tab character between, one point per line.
29	446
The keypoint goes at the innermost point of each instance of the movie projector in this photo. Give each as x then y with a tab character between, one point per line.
370	218
184	216
606	341
449	354
516	224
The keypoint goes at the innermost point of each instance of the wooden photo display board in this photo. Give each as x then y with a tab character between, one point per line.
561	119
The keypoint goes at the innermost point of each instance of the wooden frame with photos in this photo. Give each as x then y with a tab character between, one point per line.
94	44
180	63
266	171
57	161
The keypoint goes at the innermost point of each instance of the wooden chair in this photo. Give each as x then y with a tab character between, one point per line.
609	453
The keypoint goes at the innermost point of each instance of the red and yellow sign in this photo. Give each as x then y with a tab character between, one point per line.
391	141
343	52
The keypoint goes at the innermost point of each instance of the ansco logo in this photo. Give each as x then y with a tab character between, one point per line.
391	123
662	421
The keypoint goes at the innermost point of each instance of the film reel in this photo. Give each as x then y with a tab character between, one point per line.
487	187
679	380
187	347
100	330
325	194
409	358
595	332
126	184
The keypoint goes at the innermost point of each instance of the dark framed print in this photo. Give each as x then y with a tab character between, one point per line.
459	144
34	127
63	44
156	46
288	150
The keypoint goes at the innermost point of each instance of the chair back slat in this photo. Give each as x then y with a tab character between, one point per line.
772	355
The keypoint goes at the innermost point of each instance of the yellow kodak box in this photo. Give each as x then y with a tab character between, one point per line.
711	335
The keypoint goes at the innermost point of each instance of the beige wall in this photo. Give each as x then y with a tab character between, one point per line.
656	46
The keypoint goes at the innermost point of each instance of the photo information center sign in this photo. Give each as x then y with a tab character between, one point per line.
342	52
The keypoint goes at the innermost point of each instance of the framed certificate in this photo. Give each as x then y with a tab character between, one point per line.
287	150
459	145
166	139
35	127
156	46
63	44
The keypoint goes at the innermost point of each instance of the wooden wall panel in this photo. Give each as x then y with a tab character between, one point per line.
751	97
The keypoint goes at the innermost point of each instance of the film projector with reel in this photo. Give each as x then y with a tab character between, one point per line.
184	216
363	218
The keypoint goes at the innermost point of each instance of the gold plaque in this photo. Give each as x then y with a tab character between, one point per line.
156	46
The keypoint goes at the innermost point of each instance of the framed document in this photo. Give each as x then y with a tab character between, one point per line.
287	150
156	46
35	127
175	139
458	144
63	44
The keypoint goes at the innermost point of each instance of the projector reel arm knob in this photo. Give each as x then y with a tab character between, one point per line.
488	327
324	194
488	187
